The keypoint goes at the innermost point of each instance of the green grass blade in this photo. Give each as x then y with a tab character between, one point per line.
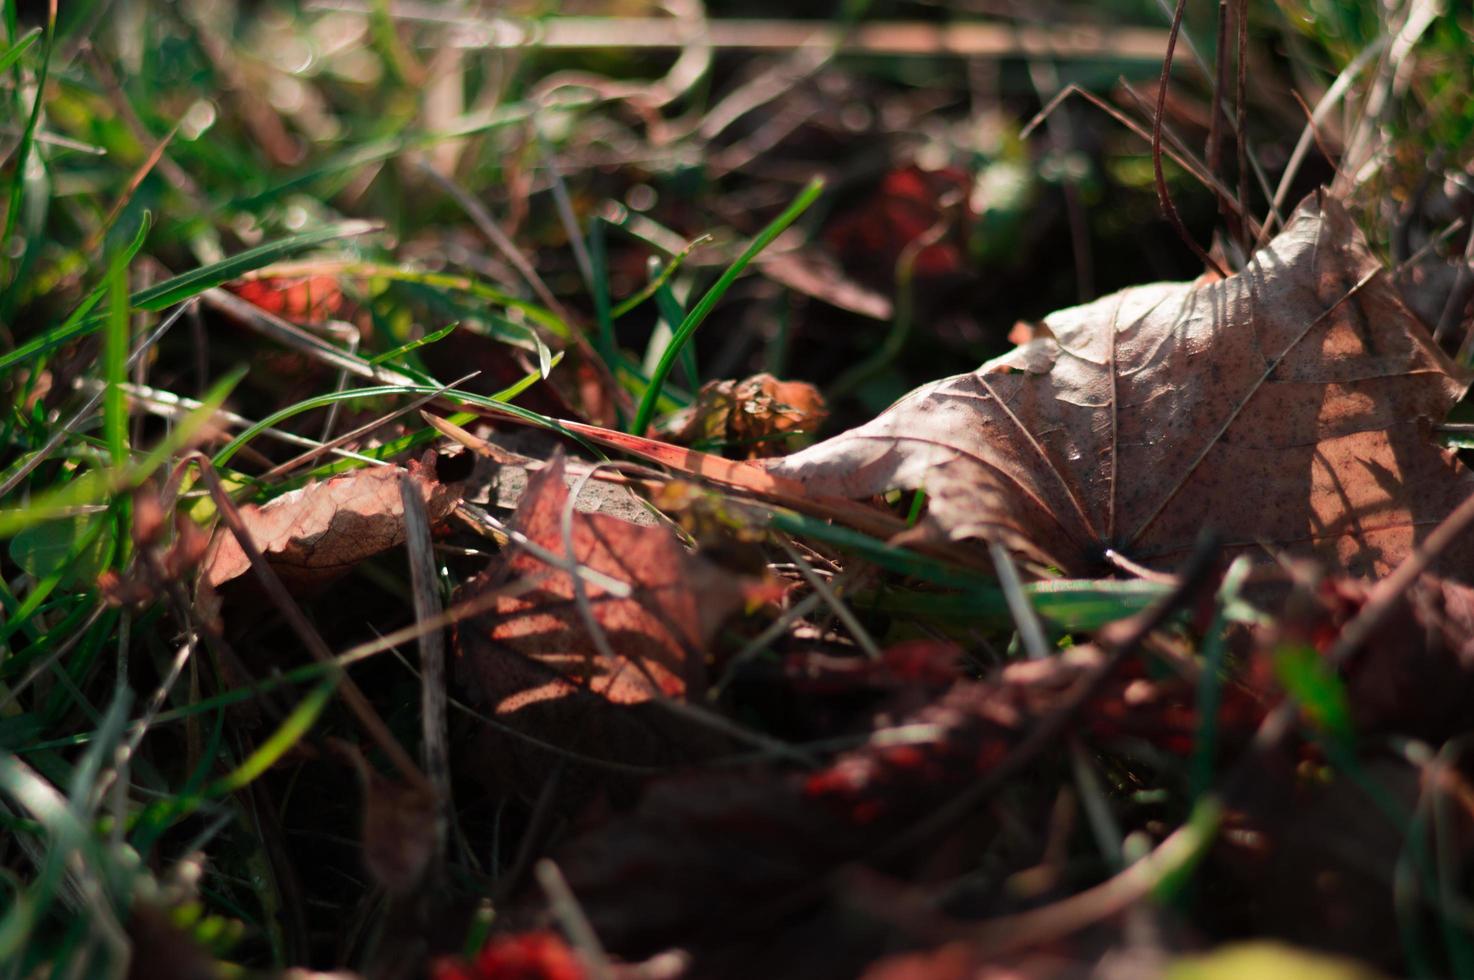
288	734
114	366
19	48
27	141
703	308
667	270
1210	683
672	313
403	349
461	284
496	401
291	731
1065	605
77	323
379	151
196	281
96	486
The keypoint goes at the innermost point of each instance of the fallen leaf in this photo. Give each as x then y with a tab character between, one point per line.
1286	407
315	533
397	826
553	670
758	416
710	859
304	299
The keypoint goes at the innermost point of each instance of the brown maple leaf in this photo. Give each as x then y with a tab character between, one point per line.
315	533
554	670
1285	407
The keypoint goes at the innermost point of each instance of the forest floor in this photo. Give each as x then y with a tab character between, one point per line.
513	494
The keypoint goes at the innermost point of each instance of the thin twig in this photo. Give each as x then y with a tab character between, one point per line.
861	636
435	746
570	916
362	430
1179	153
1163	197
1327	102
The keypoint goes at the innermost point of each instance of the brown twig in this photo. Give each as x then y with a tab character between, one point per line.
1169	210
435	746
1179	154
1213	148
1241	110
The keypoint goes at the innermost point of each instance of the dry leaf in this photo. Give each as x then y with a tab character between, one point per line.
535	659
304	299
1287	406
757	415
397	827
709	859
315	533
1415	673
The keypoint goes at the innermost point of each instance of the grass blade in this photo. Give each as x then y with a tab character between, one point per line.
19	48
96	486
708	302
196	281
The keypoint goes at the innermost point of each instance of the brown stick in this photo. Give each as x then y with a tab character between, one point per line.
1169	210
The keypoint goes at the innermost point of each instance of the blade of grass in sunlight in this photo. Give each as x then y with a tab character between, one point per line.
497	401
185	285
114	366
181	287
23	150
292	729
403	349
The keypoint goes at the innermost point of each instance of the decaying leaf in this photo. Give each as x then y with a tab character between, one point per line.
1285	407
757	415
1415	673
710	860
315	533
541	663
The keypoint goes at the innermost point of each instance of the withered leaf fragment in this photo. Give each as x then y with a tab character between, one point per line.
757	416
315	533
1286	407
